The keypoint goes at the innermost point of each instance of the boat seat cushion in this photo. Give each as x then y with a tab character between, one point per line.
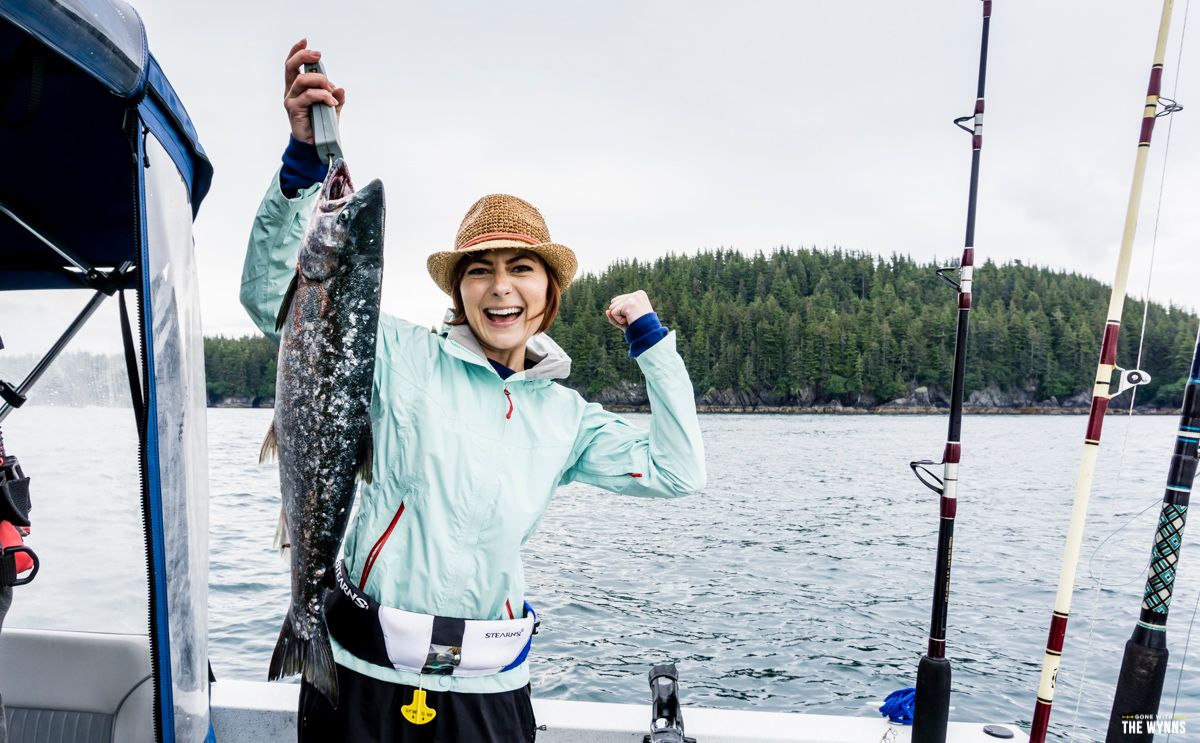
84	687
57	726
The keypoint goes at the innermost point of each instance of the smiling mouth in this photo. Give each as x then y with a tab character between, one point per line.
504	316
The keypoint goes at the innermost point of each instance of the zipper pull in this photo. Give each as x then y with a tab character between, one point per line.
508	415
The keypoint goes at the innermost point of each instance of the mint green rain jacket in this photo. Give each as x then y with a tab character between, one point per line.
466	462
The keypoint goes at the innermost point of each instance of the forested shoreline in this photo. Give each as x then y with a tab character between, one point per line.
805	329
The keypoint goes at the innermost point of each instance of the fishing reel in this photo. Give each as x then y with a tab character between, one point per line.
666	715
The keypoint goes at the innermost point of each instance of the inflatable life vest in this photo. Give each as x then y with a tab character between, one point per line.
10	537
15	558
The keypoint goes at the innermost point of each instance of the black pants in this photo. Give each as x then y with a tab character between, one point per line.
369	712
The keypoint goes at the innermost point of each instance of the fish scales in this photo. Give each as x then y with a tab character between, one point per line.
321	431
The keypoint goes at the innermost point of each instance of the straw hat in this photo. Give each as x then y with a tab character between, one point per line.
503	221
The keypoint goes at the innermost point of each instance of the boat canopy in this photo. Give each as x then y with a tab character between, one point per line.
104	174
79	80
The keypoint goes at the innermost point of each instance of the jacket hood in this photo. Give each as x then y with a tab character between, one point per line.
544	359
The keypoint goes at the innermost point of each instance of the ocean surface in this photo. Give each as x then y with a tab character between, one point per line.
800	580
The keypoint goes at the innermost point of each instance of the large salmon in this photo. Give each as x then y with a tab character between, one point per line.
322	427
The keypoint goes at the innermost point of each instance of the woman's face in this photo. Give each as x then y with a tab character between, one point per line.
504	296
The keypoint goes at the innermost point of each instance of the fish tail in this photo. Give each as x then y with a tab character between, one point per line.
311	656
288	658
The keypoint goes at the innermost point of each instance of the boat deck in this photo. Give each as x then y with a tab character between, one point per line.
258	712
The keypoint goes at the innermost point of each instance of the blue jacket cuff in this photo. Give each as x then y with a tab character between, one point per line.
643	333
302	167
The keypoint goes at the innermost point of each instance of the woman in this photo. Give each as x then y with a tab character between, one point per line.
472	437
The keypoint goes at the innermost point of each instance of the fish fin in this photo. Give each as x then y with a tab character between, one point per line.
283	541
270	446
366	457
312	657
281	318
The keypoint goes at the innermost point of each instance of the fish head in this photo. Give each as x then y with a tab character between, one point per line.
365	232
346	227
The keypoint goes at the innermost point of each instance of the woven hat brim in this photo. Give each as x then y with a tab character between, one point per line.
559	258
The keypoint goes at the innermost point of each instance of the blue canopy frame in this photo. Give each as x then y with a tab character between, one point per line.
84	109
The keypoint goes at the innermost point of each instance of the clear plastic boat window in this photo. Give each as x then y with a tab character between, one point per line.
178	357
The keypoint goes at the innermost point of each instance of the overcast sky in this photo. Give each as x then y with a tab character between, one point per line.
643	127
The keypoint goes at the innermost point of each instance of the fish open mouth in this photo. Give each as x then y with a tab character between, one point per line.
338	186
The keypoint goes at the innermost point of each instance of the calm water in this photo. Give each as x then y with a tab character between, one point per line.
800	581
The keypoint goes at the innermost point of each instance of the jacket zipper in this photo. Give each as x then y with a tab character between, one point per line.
378	547
508	395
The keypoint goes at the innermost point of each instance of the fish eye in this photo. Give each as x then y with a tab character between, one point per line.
344	216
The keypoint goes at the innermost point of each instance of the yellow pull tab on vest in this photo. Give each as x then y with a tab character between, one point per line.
417	713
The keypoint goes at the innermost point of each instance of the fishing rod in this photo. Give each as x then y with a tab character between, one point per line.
931	711
1144	667
1102	392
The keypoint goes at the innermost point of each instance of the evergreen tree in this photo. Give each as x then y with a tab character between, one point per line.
840	325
